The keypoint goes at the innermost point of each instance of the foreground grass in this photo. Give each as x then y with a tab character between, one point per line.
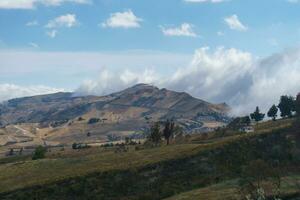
26	173
229	190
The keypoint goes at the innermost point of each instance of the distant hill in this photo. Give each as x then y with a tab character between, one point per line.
65	117
153	103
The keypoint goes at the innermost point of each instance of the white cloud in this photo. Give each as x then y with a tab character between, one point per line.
205	1
223	75
32	23
67	20
184	30
109	82
235	24
10	91
31	4
125	19
34	45
60	2
51	33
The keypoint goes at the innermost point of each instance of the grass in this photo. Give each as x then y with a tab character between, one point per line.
29	173
21	173
222	191
229	190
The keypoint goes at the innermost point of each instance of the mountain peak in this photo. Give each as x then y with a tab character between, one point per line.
142	86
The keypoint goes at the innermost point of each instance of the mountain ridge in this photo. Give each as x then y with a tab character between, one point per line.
64	118
30	109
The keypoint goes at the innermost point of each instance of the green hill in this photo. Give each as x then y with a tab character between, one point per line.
193	167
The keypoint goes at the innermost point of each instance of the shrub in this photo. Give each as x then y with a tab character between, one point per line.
93	120
39	153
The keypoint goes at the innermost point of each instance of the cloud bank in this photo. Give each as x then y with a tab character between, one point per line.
216	75
222	75
10	91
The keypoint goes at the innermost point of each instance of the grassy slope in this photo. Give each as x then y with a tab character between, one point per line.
21	174
229	190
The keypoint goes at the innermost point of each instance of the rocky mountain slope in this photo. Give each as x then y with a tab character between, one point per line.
65	117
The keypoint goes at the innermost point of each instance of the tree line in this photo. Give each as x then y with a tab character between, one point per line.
288	105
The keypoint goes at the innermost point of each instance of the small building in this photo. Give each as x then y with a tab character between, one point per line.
247	129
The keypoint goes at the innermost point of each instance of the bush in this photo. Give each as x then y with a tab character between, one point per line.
39	153
93	120
79	146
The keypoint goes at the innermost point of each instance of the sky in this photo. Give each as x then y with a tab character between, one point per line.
244	53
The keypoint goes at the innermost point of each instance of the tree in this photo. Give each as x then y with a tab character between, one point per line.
245	120
39	153
297	105
286	106
168	130
155	134
257	116
273	112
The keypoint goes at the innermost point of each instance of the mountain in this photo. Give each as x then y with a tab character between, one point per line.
65	117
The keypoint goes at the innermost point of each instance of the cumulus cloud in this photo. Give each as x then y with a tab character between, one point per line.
10	91
222	75
67	20
205	1
31	4
126	19
185	29
235	24
63	21
109	81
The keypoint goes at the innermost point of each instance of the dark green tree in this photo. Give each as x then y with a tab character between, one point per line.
257	116
168	130
155	133
245	120
297	105
286	106
272	113
39	153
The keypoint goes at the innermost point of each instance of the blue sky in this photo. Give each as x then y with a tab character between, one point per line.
272	24
100	46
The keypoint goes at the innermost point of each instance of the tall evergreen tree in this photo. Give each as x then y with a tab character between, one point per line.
273	112
297	105
286	106
245	120
168	130
155	133
257	116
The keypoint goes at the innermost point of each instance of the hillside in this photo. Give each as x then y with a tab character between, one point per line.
64	118
152	102
195	167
